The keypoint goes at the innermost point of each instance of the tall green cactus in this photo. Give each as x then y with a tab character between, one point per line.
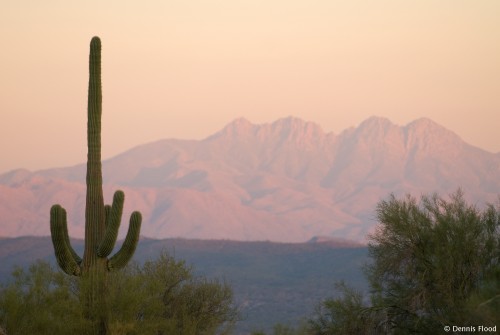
101	222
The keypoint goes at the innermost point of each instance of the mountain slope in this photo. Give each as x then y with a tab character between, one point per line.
285	181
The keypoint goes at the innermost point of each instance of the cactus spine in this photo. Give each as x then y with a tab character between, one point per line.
101	222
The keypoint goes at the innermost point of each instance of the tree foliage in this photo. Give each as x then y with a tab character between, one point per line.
347	314
431	258
159	297
434	263
166	298
40	300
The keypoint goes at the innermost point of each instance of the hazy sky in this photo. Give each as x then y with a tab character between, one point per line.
185	68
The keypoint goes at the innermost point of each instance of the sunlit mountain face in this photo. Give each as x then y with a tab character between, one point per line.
286	181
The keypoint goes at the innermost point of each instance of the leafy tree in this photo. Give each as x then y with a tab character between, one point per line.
160	297
430	258
166	298
435	262
484	304
347	314
40	301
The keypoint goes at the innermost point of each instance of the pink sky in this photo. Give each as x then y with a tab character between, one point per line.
183	69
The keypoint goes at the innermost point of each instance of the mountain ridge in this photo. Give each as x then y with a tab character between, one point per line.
285	181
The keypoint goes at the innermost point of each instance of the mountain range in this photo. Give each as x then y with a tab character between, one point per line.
286	181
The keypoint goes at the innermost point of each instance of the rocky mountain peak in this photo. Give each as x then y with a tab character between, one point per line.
239	127
375	122
283	181
429	136
286	129
296	130
373	130
426	125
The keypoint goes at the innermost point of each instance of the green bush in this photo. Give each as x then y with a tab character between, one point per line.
40	301
348	314
159	297
434	263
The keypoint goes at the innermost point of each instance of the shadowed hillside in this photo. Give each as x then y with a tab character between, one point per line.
272	282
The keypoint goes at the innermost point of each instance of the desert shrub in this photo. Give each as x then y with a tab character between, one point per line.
161	296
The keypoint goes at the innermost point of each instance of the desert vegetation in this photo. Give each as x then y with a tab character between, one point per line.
101	222
161	296
434	264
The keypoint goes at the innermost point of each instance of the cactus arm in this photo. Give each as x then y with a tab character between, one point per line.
107	212
77	258
113	217
121	258
66	256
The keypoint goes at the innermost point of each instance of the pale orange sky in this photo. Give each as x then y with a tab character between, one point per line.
184	69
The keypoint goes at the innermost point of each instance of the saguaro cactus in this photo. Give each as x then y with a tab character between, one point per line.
101	222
